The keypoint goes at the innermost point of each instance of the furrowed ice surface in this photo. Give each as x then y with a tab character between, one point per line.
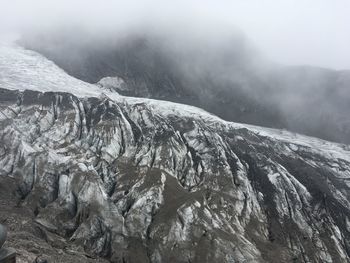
137	180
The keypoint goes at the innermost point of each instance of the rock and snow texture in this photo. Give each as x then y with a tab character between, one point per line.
134	180
22	69
230	79
113	84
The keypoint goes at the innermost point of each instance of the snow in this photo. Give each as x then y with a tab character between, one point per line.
22	69
112	83
330	150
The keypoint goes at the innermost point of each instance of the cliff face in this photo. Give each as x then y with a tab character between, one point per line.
113	175
139	180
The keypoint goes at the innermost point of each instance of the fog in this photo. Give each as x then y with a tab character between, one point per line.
264	62
291	32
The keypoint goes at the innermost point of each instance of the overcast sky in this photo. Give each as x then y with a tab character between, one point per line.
292	32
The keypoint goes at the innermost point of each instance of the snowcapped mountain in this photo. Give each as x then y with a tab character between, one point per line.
230	78
89	175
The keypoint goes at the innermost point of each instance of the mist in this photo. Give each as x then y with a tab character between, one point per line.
175	131
271	63
290	32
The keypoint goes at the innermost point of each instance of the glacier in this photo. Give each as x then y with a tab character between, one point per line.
107	177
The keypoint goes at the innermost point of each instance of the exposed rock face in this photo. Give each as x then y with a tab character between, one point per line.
95	177
133	180
3	235
113	84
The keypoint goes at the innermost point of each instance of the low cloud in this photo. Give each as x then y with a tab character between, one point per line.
291	32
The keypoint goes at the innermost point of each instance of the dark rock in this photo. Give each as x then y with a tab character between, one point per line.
7	255
41	259
236	192
3	235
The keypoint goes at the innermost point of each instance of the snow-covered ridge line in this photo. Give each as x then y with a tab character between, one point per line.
104	172
332	149
22	69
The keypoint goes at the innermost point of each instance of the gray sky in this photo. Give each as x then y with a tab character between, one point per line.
292	32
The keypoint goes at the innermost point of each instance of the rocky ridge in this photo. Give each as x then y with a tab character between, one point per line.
138	180
229	78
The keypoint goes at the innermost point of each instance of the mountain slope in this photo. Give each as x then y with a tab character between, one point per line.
221	74
138	180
